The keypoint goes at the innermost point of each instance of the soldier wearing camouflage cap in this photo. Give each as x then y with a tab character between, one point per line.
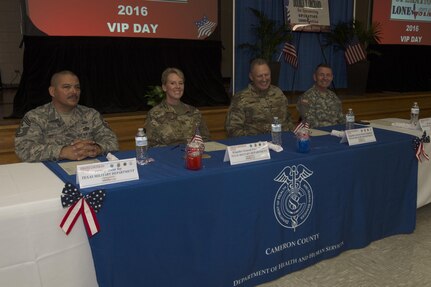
173	122
252	110
320	106
62	129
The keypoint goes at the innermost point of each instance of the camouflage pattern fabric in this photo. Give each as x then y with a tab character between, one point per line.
252	112
166	125
43	133
320	109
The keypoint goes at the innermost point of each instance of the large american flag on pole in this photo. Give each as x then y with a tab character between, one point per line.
354	52
290	54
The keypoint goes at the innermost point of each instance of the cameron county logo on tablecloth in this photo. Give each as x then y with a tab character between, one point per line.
294	199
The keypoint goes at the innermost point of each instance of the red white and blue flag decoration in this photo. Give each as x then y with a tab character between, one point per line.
418	145
205	27
290	55
197	138
87	206
354	52
300	126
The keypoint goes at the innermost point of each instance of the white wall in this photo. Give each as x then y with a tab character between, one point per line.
11	55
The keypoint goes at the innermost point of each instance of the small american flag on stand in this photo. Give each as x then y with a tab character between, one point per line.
290	54
197	138
354	52
301	125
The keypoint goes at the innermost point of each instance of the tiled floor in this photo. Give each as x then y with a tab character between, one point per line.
401	260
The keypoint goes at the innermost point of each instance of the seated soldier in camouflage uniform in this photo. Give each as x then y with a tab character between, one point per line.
62	129
252	110
320	106
173	122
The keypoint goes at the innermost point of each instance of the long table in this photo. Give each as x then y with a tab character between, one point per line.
247	224
34	251
424	168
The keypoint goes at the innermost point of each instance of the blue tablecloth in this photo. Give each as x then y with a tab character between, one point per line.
251	223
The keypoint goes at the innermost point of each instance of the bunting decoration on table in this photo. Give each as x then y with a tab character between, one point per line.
290	55
87	206
418	145
301	125
354	52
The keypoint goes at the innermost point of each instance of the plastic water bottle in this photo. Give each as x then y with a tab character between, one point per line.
414	114
141	147
276	132
350	120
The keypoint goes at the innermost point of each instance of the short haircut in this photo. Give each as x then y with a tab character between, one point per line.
322	65
258	62
169	71
54	78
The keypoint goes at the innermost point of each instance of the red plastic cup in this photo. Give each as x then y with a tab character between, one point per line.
194	162
193	158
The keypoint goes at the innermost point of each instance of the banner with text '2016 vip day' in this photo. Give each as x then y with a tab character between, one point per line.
176	19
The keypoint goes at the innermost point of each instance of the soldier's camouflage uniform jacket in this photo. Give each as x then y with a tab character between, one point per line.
43	133
252	112
172	125
320	109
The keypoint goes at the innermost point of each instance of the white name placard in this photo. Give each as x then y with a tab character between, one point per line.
360	136
244	153
102	173
425	124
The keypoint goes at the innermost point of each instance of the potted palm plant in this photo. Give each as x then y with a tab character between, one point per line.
342	36
269	36
154	95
